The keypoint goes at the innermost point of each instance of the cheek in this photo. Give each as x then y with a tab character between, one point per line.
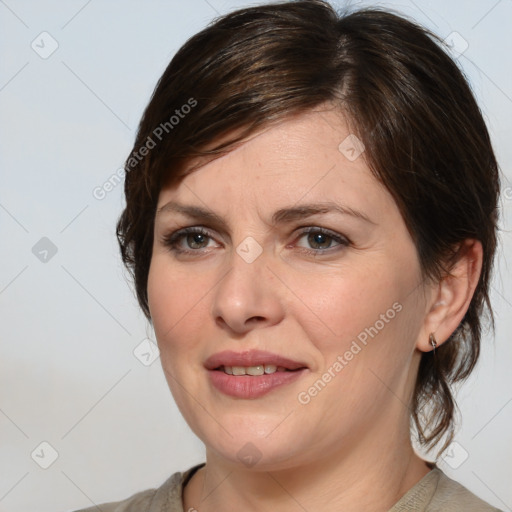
346	302
368	317
176	306
177	312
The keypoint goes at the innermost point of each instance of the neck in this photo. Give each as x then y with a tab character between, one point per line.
344	480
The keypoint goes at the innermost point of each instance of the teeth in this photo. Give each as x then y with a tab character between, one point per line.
252	370
255	370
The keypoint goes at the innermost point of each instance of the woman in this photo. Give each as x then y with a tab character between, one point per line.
311	224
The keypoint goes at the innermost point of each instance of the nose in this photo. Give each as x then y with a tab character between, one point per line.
248	296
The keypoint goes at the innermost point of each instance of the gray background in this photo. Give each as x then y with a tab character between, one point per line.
69	324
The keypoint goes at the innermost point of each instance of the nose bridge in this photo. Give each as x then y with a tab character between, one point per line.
246	297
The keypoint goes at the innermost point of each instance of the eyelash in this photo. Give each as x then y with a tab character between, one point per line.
172	240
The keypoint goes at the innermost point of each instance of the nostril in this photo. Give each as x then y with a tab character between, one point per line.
256	319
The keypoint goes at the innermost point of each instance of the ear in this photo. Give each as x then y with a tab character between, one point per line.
449	299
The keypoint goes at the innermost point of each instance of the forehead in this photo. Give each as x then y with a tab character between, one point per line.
311	157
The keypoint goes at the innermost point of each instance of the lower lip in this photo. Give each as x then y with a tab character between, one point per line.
249	386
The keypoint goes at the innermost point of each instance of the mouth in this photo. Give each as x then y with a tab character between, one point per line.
256	370
251	362
252	374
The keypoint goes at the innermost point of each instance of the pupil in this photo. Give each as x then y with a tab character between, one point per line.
320	240
196	240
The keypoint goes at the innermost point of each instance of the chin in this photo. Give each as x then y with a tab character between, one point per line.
259	448
257	455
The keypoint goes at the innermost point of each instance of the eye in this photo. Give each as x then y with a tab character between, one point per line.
321	240
188	240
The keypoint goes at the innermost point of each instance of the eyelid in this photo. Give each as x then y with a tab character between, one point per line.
326	231
341	240
172	239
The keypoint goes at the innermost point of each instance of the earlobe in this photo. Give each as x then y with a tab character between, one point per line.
451	296
432	340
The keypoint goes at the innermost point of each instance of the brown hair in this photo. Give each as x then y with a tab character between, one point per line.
407	100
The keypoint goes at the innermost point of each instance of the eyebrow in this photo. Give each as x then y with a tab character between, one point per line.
282	216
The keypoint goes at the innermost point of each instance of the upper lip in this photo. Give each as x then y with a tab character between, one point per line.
250	358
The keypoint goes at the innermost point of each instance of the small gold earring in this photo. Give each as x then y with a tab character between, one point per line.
432	340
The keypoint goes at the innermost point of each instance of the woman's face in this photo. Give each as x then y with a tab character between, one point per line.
295	258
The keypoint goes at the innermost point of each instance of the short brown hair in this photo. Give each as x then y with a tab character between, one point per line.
406	99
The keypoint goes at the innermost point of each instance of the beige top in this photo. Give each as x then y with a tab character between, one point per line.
435	492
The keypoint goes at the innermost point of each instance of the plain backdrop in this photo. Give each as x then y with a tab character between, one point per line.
84	417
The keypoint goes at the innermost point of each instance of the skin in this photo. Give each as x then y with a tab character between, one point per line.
349	447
